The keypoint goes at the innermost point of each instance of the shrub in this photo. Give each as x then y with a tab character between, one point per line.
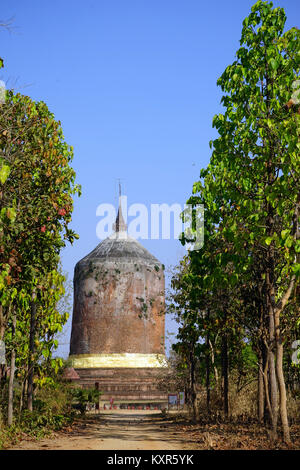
83	397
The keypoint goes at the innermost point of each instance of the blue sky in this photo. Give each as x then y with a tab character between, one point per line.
134	86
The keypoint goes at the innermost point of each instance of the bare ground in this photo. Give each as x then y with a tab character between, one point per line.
149	430
114	430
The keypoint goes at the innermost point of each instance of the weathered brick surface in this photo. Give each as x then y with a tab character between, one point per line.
118	301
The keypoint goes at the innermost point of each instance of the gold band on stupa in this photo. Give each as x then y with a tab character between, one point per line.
130	360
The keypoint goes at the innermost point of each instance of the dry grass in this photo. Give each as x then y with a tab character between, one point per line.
237	436
241	430
242	402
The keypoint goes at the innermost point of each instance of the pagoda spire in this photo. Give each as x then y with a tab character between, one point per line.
120	225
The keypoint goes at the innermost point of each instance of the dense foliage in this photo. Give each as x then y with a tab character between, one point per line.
37	185
242	288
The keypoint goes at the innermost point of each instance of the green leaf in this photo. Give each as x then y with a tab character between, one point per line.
46	353
274	64
11	213
289	241
284	233
4	173
296	269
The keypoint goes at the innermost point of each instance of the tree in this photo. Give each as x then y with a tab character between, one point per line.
251	186
36	188
210	332
182	305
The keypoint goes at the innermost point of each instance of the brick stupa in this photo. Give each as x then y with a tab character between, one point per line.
118	325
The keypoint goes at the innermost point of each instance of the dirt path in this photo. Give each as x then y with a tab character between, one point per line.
115	430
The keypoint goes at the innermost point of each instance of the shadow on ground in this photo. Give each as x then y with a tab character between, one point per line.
140	427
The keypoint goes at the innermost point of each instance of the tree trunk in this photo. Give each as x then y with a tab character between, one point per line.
272	377
270	302
207	376
207	357
260	391
10	408
281	382
2	323
21	398
225	375
264	353
214	365
192	383
31	353
270	284
262	407
24	393
2	330
266	384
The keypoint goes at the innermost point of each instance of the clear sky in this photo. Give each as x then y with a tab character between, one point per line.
133	83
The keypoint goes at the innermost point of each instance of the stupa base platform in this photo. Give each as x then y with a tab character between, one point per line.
139	386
